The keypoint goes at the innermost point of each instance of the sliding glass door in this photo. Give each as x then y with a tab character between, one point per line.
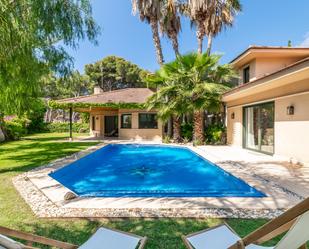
259	127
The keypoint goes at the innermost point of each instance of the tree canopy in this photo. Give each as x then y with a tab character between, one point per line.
190	84
74	85
33	34
114	72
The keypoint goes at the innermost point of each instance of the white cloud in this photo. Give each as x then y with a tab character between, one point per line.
305	42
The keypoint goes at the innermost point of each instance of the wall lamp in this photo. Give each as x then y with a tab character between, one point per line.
290	110
233	115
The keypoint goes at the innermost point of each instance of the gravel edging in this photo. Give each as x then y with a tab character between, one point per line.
44	207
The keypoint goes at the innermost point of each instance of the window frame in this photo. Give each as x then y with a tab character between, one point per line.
156	120
246	72
121	120
93	123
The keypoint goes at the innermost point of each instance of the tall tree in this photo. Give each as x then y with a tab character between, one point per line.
209	17
193	82
197	11
73	85
168	99
170	23
30	36
151	12
221	14
114	72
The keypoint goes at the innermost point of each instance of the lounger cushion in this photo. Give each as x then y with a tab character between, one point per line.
8	243
108	239
258	247
218	238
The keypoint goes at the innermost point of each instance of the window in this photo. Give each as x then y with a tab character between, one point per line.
126	121
259	127
93	123
147	121
246	76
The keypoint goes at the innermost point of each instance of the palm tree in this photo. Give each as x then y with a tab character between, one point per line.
221	14
194	82
197	11
209	17
168	98
170	26
151	12
170	23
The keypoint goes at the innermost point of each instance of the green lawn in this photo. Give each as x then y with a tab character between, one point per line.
20	156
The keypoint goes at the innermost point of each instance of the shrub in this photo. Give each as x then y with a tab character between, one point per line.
186	140
215	134
166	140
36	116
65	127
16	128
187	131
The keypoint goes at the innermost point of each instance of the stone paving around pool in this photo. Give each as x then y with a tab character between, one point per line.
284	185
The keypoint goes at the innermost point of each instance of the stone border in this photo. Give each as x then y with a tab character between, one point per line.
45	196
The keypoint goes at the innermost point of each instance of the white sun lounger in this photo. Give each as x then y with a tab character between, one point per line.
113	239
219	237
295	221
103	238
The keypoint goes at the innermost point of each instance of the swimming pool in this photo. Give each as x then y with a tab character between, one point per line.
139	170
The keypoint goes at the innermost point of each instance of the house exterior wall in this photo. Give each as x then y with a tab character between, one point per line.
234	126
139	134
263	66
291	131
133	133
252	73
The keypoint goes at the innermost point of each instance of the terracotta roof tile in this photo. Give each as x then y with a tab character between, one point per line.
127	95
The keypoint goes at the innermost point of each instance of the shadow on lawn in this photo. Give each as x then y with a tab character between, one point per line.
163	233
31	155
45	138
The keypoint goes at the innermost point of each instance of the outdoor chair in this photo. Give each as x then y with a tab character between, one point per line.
294	220
101	239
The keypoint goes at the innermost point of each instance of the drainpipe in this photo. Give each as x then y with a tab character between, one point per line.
71	112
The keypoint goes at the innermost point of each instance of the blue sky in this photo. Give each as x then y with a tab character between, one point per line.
262	22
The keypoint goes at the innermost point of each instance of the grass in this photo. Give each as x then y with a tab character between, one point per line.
19	156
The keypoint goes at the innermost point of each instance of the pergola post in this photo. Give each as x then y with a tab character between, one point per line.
71	113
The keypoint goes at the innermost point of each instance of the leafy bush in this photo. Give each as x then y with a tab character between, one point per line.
166	140
16	128
36	116
215	134
187	131
85	117
65	127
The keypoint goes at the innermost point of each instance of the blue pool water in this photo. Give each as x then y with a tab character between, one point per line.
150	171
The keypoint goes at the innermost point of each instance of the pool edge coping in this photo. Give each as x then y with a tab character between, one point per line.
56	208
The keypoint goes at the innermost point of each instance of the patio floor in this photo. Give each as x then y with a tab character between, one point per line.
284	185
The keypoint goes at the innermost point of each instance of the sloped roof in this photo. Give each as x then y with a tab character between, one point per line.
254	51
127	95
301	66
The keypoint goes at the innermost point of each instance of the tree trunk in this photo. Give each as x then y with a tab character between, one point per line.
156	40
175	44
200	36
3	135
200	45
176	129
170	127
209	44
198	132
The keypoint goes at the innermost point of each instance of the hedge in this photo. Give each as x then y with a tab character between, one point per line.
65	127
121	105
